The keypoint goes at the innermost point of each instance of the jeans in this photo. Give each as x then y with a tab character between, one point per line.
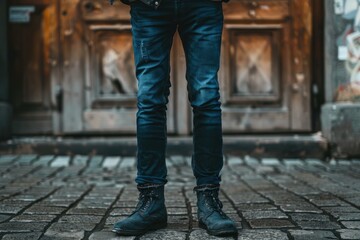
200	24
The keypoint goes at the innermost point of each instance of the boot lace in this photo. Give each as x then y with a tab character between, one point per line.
213	202
145	198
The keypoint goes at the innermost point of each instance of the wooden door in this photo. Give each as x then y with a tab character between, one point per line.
72	68
99	82
265	70
33	62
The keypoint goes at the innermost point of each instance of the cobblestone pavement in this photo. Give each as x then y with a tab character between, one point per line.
80	197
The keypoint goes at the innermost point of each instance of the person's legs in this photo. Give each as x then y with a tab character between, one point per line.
152	39
200	30
153	32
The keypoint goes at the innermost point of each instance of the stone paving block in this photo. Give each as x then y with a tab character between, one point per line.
44	210
248	198
233	160
33	218
251	161
44	160
321	225
80	160
7	159
262	234
304	208
57	203
110	221
276	214
293	162
259	206
125	204
121	211
11	209
9	227
178	222
349	234
201	234
347	209
22	236
312	235
127	163
60	161
4	217
347	216
95	161
164	235
264	169
309	217
87	211
177	211
111	162
67	227
270	223
355	201
80	219
178	160
57	235
108	235
25	159
270	161
351	224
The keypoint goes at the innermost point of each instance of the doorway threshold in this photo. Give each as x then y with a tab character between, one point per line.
279	146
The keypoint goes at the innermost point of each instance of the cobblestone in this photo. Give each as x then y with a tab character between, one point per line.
81	197
312	235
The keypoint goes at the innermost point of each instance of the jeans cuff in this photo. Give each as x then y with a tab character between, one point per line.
206	187
149	185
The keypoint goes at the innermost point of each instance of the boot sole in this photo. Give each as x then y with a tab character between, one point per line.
123	232
219	233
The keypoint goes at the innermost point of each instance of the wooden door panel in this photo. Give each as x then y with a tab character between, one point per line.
33	64
98	37
255	60
265	86
111	103
253	77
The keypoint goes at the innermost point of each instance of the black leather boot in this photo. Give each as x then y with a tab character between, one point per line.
150	213
210	214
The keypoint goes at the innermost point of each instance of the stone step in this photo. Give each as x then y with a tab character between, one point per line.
280	146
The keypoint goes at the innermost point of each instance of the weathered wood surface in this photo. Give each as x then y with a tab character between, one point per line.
33	53
81	75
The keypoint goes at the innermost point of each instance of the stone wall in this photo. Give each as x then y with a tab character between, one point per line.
340	114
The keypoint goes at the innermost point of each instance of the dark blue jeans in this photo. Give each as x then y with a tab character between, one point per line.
199	23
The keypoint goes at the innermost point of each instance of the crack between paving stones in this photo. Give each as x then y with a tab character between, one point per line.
243	225
332	219
101	224
188	206
10	166
331	180
24	176
32	203
271	201
65	210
